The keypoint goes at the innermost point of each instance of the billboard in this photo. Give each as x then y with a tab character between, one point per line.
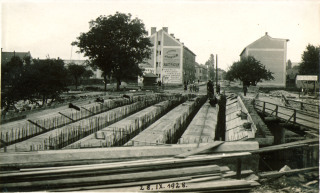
171	57
172	76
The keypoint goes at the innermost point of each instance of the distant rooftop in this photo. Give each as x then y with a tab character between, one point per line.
6	56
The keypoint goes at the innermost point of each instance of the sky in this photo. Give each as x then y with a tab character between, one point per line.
222	28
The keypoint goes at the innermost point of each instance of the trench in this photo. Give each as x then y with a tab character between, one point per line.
299	157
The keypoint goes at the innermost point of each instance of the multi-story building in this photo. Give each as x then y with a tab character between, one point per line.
170	60
201	72
271	52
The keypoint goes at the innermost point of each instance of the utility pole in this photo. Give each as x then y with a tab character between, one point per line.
216	71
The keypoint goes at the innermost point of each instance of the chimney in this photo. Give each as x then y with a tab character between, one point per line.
153	30
178	39
172	35
165	29
266	33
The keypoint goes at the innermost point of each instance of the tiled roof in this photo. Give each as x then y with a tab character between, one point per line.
6	56
150	75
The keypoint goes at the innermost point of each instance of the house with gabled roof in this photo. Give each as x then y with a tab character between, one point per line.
6	56
170	59
271	52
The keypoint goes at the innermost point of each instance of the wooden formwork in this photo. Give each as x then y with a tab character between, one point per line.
65	135
170	127
120	132
202	127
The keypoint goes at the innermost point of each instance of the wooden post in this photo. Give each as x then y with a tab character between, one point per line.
239	168
305	157
264	107
277	111
301	105
294	115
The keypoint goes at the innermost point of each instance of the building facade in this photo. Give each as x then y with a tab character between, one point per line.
170	60
271	52
201	73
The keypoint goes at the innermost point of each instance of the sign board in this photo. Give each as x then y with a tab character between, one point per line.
171	57
172	75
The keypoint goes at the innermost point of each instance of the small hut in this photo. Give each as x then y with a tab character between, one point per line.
149	79
307	82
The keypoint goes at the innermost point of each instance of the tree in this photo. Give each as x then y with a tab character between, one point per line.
76	71
87	74
249	70
11	76
51	76
211	73
116	44
210	64
310	61
289	64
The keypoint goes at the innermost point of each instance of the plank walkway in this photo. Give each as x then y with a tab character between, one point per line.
288	114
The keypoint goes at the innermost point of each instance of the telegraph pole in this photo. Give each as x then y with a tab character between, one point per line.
216	71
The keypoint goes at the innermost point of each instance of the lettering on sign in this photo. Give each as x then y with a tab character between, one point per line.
171	58
172	75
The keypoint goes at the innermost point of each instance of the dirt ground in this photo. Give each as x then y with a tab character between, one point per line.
304	182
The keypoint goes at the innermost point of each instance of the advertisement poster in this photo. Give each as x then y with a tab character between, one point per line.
172	76
171	57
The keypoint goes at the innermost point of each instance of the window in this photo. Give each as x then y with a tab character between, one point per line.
159	52
159	43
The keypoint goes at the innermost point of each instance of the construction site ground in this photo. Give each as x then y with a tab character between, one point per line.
297	182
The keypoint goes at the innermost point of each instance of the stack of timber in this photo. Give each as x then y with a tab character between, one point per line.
16	132
122	131
169	128
196	173
238	126
202	127
69	157
61	137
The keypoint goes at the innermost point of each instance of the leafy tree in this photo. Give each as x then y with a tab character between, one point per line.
310	61
211	73
249	71
76	71
116	44
210	63
289	64
52	78
87	74
11	74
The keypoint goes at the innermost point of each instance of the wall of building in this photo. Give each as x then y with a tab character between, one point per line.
189	66
272	53
169	58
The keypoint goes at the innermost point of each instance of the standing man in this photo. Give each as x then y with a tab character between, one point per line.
218	89
245	89
210	90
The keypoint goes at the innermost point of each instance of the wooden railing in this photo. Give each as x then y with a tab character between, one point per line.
289	114
313	108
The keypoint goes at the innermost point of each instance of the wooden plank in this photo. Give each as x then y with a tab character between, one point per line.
94	155
286	145
122	185
199	149
133	165
293	171
116	178
212	186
